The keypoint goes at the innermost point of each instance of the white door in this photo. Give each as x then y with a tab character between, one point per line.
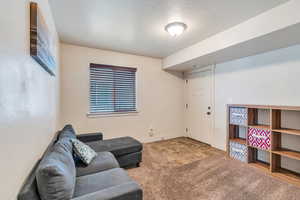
198	97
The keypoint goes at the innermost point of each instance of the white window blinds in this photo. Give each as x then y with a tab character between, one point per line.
112	89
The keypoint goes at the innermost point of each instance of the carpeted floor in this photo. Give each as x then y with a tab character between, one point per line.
183	169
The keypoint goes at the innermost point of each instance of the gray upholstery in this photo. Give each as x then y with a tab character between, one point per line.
103	161
90	137
56	173
100	181
127	150
125	191
67	132
29	189
129	160
117	146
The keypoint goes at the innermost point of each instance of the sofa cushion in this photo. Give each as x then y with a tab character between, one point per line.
83	151
117	146
56	173
29	189
129	160
125	191
103	161
100	181
90	137
68	132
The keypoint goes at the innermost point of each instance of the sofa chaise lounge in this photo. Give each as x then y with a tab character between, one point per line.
127	150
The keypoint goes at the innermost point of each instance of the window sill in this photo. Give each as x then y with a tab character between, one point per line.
120	114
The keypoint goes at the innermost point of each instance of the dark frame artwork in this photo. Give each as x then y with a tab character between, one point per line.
41	41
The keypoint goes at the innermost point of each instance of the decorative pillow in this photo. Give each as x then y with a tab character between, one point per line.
56	174
83	151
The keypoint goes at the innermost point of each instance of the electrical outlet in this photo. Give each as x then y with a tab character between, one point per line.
151	131
151	134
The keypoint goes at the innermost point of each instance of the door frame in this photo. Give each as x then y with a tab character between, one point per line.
210	68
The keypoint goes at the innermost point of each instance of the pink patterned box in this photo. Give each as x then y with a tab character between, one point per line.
259	138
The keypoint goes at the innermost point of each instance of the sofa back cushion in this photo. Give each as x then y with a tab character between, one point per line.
56	173
67	132
29	189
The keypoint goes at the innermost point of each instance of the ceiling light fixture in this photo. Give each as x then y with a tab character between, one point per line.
176	28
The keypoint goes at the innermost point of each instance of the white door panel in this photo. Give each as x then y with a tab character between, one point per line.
199	111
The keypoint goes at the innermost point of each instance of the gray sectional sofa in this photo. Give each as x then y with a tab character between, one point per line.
102	179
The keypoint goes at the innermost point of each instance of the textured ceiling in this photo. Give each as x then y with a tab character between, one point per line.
137	26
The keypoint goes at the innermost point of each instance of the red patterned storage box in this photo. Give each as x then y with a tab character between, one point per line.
259	138
238	116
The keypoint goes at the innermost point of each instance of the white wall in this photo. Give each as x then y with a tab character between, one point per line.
159	95
29	97
270	78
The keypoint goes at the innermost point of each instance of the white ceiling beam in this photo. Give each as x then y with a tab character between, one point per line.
275	28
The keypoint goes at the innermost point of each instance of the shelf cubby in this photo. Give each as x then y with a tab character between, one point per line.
282	137
287	175
286	121
259	118
261	165
259	158
239	140
258	148
287	131
260	126
280	171
237	134
287	153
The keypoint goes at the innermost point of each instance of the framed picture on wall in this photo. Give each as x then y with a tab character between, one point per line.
41	41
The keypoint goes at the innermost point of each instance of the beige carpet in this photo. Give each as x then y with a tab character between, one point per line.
183	169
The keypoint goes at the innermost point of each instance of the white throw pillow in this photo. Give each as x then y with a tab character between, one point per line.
83	151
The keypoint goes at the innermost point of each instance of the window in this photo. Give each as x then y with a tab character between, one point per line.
112	89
